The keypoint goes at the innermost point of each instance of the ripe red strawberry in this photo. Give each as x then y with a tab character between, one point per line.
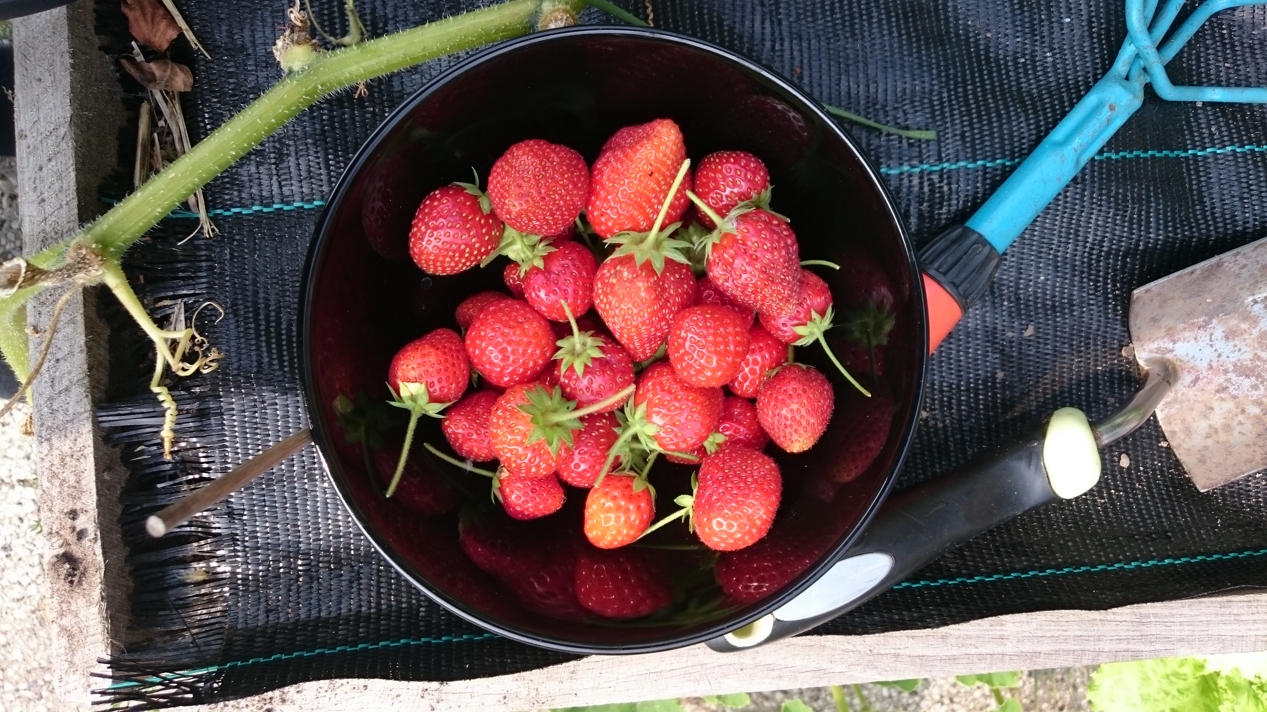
581	462
682	415
754	573
526	497
420	488
632	176
567	275
470	307
727	178
737	497
867	422
453	230
538	187
425	377
500	546
707	293
619	510
511	430
465	426
592	368
753	257
509	343
437	361
638	305
809	321
765	353
621	583
795	406
707	345
514	280
740	425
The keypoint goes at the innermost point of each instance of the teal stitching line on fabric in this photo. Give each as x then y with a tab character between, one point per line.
1119	566
1107	156
310	653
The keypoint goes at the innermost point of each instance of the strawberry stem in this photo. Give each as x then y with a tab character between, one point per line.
680	514
650	461
699	203
592	408
612	452
820	263
664	207
917	134
465	465
404	452
822	341
576	331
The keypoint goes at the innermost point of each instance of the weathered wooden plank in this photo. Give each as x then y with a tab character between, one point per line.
1225	624
68	112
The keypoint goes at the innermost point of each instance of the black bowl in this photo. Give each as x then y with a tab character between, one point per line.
364	299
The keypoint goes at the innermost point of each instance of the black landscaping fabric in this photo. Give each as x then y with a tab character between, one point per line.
277	585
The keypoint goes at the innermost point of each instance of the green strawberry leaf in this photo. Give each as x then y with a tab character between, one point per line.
795	706
659	706
735	701
1011	704
618	707
869	326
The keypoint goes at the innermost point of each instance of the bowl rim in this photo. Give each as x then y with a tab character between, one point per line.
320	428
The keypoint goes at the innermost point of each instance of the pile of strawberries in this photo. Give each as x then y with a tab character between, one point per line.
606	352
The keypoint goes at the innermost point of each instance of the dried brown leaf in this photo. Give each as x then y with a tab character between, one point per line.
150	23
159	74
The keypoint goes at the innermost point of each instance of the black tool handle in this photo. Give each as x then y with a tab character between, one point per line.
919	525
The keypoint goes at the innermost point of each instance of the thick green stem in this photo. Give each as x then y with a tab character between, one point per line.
699	203
664	208
115	231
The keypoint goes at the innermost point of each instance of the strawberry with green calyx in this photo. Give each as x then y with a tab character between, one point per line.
753	257
643	284
807	323
618	510
524	250
529	424
733	499
765	353
465	426
509	343
591	367
634	175
453	230
425	377
539	187
564	281
726	179
707	345
794	407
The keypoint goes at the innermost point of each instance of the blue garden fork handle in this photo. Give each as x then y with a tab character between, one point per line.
960	263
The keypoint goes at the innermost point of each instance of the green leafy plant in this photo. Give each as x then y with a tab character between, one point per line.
1226	683
996	681
736	700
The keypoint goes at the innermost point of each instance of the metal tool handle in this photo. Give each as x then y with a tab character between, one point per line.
179	512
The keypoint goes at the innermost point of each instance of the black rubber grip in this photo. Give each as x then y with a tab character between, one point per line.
962	262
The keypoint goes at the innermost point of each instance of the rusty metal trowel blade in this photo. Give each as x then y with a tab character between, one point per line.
1210	321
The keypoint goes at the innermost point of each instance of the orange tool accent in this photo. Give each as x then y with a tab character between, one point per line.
943	312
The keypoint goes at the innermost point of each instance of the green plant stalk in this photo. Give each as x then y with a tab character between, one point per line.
113	233
917	134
